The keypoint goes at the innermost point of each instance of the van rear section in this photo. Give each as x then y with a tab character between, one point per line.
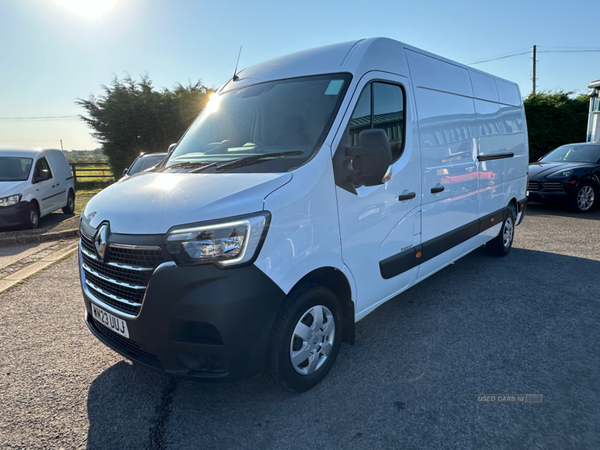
311	189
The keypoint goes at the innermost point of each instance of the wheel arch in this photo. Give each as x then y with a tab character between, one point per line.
589	178
514	204
334	279
34	201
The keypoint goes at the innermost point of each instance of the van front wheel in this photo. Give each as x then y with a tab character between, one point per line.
305	339
501	244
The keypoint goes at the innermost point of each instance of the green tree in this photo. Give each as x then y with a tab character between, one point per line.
131	117
554	119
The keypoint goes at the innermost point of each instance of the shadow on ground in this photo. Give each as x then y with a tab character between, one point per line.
524	324
53	222
556	209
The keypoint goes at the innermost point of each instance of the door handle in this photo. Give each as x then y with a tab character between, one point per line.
437	189
407	196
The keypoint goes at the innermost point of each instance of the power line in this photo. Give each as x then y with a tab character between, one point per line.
569	51
572	48
499	57
588	50
40	118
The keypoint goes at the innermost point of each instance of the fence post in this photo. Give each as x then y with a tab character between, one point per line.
74	172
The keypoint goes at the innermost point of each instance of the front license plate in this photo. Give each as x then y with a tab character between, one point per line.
110	321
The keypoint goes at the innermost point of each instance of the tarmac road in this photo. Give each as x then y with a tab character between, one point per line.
524	324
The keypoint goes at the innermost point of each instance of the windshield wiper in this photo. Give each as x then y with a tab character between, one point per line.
185	164
249	160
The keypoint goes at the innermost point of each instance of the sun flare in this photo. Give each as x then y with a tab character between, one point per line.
88	8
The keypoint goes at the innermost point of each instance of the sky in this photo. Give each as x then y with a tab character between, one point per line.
56	51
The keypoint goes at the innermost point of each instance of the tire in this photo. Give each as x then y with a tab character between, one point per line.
300	313
584	198
501	244
32	220
70	208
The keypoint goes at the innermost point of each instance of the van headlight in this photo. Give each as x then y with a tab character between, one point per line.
10	200
226	243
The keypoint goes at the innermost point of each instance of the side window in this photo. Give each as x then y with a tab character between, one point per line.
40	165
381	105
361	117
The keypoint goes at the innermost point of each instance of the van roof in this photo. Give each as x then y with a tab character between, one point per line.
356	57
24	152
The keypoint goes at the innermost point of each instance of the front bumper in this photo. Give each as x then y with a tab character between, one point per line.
544	190
15	215
198	322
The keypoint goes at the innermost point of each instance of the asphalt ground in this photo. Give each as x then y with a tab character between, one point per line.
524	324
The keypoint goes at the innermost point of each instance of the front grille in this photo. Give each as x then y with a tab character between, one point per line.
534	186
553	186
124	345
136	257
121	282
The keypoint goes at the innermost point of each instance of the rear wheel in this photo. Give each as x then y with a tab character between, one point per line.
70	207
584	198
501	244
306	338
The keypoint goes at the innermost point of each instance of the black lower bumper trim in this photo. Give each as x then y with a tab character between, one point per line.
200	322
124	346
15	215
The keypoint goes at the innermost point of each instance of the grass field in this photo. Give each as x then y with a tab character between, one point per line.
100	177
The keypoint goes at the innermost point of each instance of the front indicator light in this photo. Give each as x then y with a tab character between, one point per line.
230	242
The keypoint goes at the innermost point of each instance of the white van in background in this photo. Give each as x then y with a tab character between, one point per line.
33	183
310	190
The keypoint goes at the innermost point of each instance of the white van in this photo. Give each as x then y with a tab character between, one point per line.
33	183
310	190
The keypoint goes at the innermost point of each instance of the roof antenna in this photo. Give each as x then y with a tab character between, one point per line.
235	77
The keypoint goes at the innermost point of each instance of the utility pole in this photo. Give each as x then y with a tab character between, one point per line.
534	68
61	147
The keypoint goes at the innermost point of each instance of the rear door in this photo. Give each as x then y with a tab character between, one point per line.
448	135
376	223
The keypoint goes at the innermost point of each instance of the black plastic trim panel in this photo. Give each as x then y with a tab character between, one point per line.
482	158
406	260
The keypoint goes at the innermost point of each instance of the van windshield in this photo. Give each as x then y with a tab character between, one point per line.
13	168
268	127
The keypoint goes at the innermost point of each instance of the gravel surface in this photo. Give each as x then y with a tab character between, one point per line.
524	324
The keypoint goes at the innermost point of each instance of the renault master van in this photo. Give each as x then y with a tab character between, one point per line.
33	183
310	190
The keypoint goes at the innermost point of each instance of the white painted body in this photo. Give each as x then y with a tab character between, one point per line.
51	194
453	114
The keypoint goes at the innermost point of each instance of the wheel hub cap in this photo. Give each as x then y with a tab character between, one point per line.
312	340
508	232
585	198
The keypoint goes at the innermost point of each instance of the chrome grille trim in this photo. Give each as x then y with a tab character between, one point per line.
114	297
119	285
136	247
114	264
109	308
110	280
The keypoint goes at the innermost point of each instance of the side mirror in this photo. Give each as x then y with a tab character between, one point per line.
125	171
43	176
171	148
366	164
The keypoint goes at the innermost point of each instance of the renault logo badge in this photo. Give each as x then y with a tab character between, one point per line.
100	241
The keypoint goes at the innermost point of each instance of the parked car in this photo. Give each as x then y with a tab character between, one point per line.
143	162
569	174
310	190
33	183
